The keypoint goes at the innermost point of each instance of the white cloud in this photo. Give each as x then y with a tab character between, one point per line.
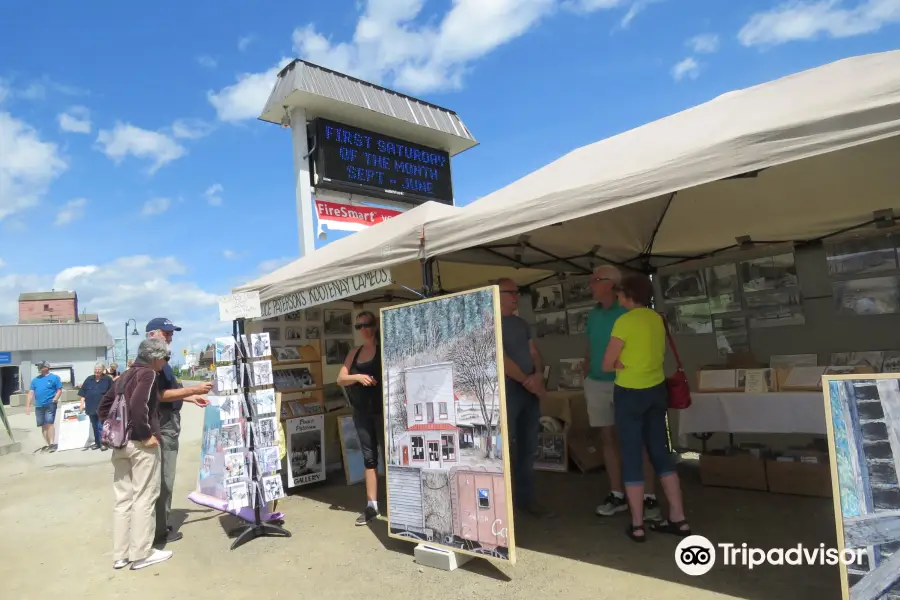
246	98
2	263
805	20
245	41
191	129
127	140
686	68
230	254
155	206
207	62
706	43
392	46
267	266
28	165
73	210
213	194
76	119
40	89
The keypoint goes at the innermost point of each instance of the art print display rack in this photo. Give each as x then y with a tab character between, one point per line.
261	430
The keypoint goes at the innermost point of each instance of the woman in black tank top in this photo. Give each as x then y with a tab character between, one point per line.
361	379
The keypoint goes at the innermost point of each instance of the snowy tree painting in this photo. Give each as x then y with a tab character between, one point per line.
447	460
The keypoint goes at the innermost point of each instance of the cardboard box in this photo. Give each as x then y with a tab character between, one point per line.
741	471
586	450
799	478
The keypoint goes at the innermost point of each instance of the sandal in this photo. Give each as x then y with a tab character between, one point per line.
632	530
672	527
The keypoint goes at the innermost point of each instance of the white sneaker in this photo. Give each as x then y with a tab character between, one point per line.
121	563
156	557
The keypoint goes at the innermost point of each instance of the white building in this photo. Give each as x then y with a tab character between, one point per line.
432	438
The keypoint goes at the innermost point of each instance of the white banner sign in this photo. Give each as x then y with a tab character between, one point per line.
239	306
327	292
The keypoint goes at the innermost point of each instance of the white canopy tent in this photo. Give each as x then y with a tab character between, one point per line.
793	159
395	244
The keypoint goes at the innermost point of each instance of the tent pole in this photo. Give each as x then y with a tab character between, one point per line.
427	277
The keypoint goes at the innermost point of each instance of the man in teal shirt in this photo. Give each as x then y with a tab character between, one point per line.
44	392
598	392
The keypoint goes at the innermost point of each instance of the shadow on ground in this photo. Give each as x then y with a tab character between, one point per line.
759	519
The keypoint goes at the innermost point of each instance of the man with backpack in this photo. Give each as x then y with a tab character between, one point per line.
172	395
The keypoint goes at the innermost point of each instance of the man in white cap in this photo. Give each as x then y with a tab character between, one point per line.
172	396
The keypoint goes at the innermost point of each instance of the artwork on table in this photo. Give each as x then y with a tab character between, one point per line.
274	333
577	319
265	432
722	288
263	402
235	465
891	362
232	437
550	323
230	407
577	292
261	372
293	379
338	322
293	333
313	315
225	350
873	296
571	374
272	489
297	315
287	354
351	451
305	438
862	417
755	381
860	256
769	273
445	421
312	332
551	453
260	345
336	351
238	495
682	287
858	359
692	318
547	298
228	379
267	460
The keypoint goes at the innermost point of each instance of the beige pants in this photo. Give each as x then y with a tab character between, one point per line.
136	484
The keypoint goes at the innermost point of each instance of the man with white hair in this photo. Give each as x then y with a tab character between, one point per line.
91	392
172	395
598	393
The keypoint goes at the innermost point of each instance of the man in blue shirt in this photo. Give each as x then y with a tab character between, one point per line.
598	392
44	393
91	393
172	395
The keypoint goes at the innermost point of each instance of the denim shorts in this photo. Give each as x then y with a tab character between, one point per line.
45	415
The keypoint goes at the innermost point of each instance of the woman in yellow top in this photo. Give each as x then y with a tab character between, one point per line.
636	351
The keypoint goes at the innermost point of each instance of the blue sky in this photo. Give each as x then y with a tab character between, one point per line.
133	169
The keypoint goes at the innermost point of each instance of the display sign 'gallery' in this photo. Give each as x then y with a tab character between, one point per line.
327	292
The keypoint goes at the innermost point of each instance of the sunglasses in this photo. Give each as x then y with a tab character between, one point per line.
359	326
600	279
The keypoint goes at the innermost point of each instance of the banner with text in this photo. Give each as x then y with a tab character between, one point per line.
348	217
327	292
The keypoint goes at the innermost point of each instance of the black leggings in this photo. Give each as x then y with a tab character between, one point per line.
370	429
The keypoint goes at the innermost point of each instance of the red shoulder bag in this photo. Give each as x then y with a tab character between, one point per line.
677	384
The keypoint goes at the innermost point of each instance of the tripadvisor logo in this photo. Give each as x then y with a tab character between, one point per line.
696	555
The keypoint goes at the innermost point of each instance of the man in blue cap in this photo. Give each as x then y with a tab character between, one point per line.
172	396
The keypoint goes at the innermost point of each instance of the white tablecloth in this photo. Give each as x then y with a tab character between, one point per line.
775	412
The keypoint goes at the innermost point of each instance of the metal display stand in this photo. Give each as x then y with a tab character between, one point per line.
258	528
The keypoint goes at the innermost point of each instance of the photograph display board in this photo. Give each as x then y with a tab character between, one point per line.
305	437
863	424
73	427
448	473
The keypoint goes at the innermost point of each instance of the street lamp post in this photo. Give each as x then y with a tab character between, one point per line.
135	332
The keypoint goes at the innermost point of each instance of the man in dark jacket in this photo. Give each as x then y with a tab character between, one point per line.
91	393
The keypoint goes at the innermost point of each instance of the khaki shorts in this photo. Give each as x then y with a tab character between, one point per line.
598	396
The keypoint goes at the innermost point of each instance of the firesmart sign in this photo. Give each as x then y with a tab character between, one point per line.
350	159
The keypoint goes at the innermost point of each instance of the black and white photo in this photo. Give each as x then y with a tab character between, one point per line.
260	345
235	465
861	256
274	333
551	323
286	354
262	372
305	446
293	379
577	319
293	333
237	495
312	332
873	296
722	287
577	292
232	437
230	407
263	402
338	322
272	489
295	316
266	432
682	287
313	315
336	350
769	273
547	298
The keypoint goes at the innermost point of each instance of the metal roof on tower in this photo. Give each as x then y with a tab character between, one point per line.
332	95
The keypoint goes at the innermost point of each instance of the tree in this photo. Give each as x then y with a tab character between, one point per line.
474	359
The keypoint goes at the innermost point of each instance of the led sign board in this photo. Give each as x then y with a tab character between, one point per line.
354	160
